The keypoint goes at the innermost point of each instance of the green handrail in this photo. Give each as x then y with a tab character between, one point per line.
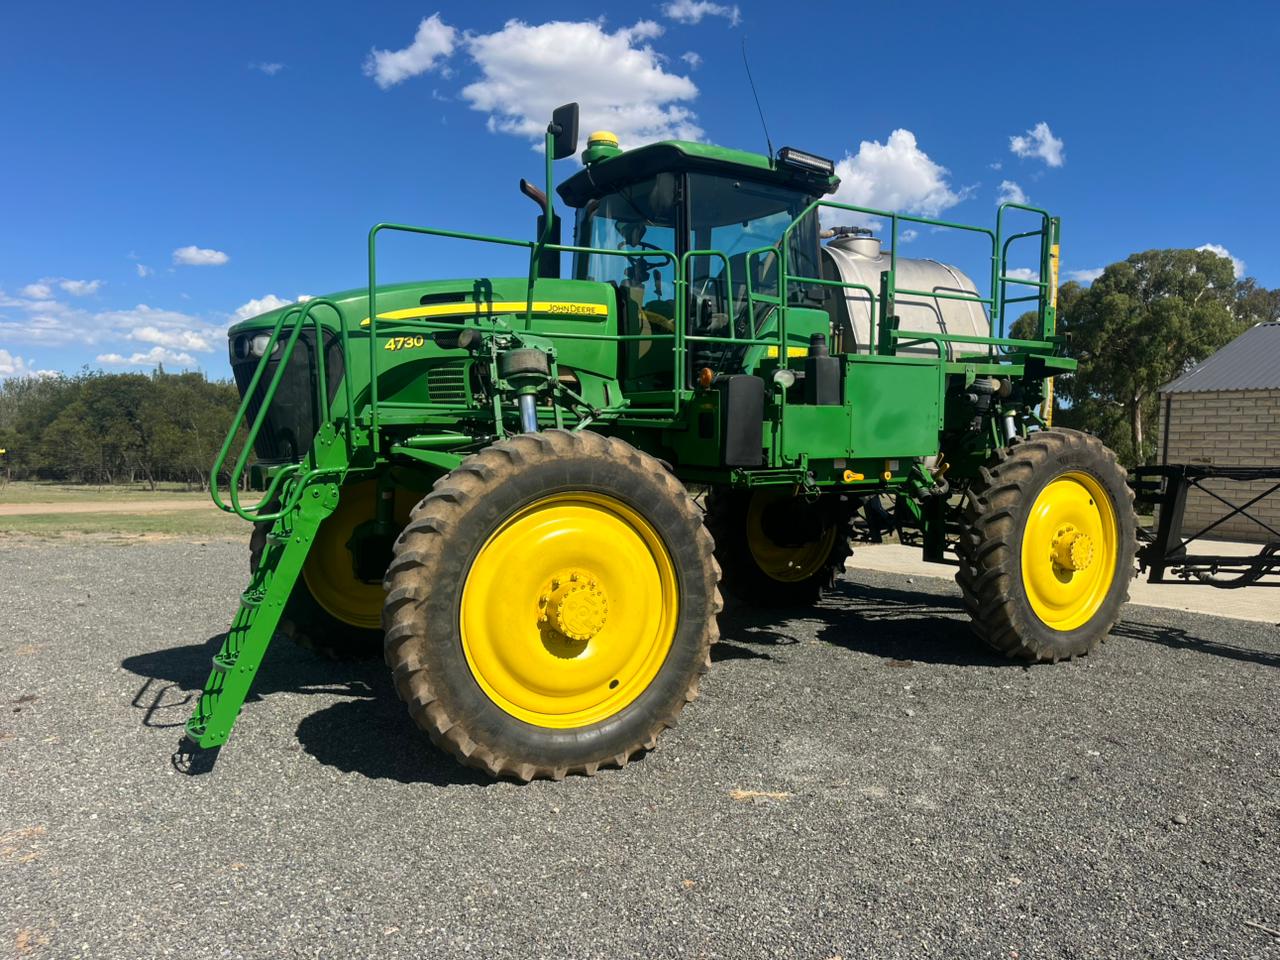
300	313
881	304
995	301
534	247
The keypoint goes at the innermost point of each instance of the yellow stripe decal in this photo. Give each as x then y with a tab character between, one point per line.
772	352
1054	256
562	308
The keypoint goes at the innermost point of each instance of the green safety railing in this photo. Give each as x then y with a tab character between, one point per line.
882	306
287	483
676	337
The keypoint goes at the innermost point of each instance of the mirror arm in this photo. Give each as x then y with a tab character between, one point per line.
561	141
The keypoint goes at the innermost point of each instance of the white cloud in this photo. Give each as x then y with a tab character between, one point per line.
616	78
995	166
154	356
1022	273
1040	142
896	176
1237	264
433	42
166	328
43	290
194	256
176	338
143	269
270	69
303	297
80	288
906	236
253	308
1085	276
1010	192
12	365
692	58
61	323
692	11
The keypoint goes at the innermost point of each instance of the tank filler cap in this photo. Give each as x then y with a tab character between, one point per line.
868	247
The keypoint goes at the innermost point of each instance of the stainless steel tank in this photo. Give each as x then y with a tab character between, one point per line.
858	259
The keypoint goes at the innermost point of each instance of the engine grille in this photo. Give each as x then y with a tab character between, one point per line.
292	419
448	383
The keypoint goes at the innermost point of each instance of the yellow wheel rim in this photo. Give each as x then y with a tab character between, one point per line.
784	563
328	569
569	610
1069	551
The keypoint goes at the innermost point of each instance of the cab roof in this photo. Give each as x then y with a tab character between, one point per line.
604	176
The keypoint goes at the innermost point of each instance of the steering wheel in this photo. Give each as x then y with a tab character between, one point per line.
640	261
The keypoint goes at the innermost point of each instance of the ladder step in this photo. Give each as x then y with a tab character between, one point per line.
261	604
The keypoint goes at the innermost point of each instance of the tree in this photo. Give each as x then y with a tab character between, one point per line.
1143	323
99	427
1255	304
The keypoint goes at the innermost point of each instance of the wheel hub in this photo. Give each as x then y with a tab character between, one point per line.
1072	549
1069	550
569	610
575	606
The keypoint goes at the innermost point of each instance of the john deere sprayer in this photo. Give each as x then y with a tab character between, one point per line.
529	493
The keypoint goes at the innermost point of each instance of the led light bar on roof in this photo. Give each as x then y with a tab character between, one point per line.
806	161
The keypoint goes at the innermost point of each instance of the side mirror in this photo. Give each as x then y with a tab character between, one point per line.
564	131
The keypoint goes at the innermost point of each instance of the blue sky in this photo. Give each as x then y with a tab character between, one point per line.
170	167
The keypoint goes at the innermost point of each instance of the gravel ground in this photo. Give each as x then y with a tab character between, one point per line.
921	798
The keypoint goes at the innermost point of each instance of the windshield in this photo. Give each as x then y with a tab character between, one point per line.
639	219
743	219
726	214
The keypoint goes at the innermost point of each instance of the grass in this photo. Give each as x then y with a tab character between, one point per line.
40	491
181	524
185	521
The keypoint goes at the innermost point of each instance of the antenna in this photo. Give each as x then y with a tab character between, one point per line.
757	97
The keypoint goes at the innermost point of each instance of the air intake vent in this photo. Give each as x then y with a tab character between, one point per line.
448	384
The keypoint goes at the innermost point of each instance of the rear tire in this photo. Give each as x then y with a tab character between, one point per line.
760	572
1047	547
551	606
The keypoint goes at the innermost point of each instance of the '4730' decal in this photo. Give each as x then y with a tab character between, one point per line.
405	343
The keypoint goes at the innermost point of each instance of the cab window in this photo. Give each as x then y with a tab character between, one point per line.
738	217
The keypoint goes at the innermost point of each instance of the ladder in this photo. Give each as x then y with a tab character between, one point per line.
261	605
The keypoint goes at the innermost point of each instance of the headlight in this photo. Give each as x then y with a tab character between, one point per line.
258	345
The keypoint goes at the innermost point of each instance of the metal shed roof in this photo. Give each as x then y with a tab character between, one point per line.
1249	362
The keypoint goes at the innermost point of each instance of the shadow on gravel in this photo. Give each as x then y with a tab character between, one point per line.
175	677
1178	639
374	736
902	626
369	733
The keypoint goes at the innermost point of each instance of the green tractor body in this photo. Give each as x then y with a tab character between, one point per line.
490	480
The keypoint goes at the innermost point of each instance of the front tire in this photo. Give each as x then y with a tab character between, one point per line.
332	612
1047	547
551	606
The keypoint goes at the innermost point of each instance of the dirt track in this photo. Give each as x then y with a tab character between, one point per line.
105	506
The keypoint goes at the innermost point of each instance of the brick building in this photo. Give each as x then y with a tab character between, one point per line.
1225	411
